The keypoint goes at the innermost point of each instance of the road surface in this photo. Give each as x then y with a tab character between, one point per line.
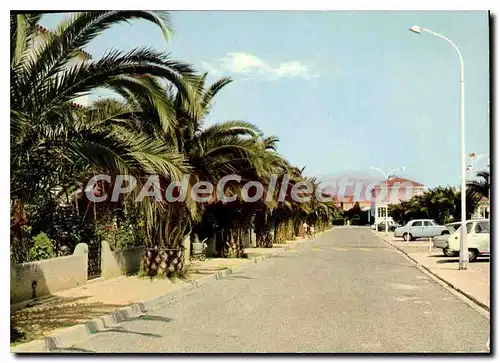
345	291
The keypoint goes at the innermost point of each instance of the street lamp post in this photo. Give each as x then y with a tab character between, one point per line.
464	255
386	177
474	161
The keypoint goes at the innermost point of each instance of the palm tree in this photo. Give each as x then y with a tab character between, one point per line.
441	204
258	164
286	217
231	147
52	142
155	127
480	189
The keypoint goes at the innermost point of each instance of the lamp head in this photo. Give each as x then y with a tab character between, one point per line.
416	29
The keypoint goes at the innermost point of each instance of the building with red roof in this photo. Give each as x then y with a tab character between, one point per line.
393	191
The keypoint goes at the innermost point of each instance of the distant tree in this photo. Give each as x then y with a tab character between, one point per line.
441	204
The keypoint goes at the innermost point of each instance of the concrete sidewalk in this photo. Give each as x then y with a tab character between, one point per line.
53	315
473	282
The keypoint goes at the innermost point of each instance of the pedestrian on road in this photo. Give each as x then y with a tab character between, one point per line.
311	232
304	230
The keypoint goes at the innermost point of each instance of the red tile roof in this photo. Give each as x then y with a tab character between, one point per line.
398	180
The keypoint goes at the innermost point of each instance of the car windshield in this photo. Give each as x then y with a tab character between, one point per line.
452	227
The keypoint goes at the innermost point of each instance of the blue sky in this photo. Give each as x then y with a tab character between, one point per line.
342	90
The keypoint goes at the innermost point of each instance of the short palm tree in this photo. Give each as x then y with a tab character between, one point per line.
480	189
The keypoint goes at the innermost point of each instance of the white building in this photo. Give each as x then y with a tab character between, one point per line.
483	209
393	191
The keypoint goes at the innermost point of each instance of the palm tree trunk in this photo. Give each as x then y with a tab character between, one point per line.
280	232
233	243
163	262
149	265
263	230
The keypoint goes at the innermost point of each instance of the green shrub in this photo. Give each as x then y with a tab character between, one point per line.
126	235
43	248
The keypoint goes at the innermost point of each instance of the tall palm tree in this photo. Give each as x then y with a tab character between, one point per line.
49	137
231	147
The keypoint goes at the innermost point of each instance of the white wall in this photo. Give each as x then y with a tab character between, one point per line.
50	275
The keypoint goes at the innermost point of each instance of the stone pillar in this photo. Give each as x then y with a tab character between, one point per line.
82	249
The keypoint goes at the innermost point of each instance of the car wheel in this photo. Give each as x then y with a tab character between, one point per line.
449	253
407	237
473	253
444	232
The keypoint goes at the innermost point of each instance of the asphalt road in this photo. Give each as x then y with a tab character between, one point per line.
345	291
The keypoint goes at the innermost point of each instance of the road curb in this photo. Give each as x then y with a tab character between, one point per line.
69	336
478	305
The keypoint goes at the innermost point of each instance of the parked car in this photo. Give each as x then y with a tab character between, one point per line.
420	228
442	240
478	238
391	226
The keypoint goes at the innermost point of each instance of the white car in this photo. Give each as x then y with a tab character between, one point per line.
478	238
442	241
420	228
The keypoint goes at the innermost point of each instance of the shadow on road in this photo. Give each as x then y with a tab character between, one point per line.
456	260
71	350
353	247
230	277
121	329
152	318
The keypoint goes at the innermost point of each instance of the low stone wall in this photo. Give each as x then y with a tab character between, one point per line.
36	279
117	263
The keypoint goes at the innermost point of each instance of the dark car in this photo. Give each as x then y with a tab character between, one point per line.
391	227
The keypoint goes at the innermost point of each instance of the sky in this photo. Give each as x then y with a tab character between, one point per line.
343	90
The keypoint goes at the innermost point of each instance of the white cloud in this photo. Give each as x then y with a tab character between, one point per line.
213	71
244	63
292	69
249	64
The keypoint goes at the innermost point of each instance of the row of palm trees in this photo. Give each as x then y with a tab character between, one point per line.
442	203
154	126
